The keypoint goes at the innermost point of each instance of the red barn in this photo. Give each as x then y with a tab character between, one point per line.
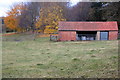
72	31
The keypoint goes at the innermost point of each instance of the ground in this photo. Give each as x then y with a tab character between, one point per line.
25	57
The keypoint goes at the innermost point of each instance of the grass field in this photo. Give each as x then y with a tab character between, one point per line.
42	58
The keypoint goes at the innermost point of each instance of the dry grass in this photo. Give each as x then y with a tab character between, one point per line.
41	58
45	35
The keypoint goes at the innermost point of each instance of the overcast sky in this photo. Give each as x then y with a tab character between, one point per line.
5	5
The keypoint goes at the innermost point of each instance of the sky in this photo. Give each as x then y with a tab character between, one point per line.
5	5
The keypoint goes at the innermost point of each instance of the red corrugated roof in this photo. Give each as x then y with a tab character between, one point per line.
88	26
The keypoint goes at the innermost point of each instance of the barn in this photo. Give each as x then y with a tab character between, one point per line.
75	31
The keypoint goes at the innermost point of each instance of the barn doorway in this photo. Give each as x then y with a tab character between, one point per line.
86	35
103	35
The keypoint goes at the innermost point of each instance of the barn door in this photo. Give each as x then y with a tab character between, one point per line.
103	35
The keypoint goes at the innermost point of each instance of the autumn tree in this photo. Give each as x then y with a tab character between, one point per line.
49	17
11	20
27	16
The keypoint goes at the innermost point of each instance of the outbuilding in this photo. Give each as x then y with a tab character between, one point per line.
73	31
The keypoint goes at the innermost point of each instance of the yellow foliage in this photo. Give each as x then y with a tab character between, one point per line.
39	31
49	30
49	17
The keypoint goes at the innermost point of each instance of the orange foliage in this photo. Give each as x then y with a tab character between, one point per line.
11	20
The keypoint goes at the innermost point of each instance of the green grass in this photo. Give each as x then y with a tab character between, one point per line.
42	58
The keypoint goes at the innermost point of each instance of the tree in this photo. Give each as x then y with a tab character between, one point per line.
50	15
95	13
11	20
79	12
105	11
111	11
28	17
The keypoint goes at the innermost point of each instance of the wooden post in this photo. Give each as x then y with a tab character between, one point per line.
98	35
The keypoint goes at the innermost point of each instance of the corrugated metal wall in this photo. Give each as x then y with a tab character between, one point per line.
104	35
